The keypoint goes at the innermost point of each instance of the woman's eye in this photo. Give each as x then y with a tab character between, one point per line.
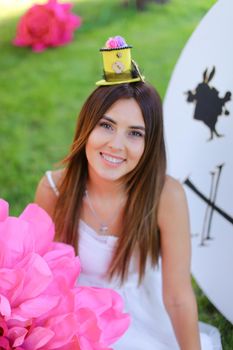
105	125
136	133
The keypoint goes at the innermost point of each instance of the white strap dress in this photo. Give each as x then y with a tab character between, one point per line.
150	327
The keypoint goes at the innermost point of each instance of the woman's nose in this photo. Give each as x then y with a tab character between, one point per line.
116	142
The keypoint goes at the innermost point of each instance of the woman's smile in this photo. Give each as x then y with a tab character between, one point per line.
111	160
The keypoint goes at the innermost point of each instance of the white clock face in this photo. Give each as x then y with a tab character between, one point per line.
118	67
198	113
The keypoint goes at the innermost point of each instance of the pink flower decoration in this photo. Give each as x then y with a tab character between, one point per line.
115	42
41	307
48	25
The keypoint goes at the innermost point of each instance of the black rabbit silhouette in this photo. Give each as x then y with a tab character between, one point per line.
209	106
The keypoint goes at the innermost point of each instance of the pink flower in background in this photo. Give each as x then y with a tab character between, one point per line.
48	25
41	307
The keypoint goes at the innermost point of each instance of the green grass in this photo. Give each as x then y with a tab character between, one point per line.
41	94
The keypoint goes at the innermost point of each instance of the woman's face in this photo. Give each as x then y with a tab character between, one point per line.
117	142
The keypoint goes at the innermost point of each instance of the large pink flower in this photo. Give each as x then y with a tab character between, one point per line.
40	305
48	25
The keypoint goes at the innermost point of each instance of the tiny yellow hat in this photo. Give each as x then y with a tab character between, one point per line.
118	66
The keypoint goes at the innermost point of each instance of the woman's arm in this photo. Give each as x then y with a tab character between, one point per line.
178	296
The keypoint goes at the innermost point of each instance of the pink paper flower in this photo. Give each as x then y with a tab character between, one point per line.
48	25
41	307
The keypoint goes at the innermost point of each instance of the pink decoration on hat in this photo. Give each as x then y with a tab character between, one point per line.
41	307
115	42
48	25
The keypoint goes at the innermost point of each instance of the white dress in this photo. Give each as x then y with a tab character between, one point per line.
150	327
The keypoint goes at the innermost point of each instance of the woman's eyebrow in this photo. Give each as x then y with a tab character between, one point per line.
138	127
109	119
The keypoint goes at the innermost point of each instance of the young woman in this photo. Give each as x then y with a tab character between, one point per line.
126	218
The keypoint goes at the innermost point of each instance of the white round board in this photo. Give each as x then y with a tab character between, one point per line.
198	114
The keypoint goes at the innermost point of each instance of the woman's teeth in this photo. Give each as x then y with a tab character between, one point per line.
112	159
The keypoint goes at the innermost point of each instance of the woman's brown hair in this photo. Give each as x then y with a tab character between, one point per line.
143	184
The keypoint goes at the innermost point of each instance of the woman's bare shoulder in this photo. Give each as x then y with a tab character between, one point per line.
46	196
172	198
172	188
57	176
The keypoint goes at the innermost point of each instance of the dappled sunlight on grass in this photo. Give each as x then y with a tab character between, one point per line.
13	8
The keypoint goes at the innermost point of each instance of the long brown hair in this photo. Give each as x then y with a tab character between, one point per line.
143	184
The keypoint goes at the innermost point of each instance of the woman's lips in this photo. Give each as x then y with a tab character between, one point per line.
112	160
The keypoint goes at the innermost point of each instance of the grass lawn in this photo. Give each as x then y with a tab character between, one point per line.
41	94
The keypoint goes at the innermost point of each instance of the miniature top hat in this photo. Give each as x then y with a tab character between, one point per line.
118	66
